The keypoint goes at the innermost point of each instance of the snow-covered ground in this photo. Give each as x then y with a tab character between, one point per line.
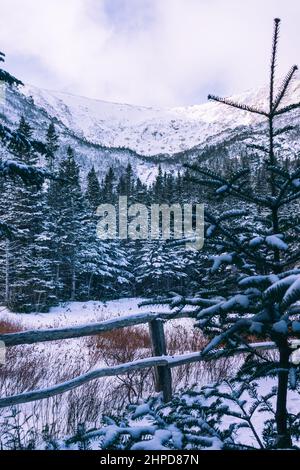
41	365
50	363
77	313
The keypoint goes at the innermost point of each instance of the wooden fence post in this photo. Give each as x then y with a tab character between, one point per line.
163	376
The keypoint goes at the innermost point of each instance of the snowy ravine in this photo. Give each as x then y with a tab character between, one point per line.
145	130
111	134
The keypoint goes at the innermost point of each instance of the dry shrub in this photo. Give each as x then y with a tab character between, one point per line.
123	339
9	326
84	405
122	345
130	344
182	339
38	366
118	347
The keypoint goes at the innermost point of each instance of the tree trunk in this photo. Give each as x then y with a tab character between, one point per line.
90	286
73	285
283	440
57	280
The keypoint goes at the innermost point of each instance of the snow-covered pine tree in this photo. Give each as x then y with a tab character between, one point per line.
158	186
24	255
9	166
71	225
103	264
129	182
6	77
256	250
51	146
159	267
53	196
141	193
108	193
93	191
94	258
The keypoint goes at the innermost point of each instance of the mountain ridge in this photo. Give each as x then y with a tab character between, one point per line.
149	131
108	134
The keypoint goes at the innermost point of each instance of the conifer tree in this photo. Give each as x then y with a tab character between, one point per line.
256	260
51	146
27	269
71	225
101	261
93	192
53	200
159	267
6	77
158	185
129	181
109	187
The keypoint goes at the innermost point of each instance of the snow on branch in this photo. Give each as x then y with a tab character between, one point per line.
287	109
284	87
29	174
273	59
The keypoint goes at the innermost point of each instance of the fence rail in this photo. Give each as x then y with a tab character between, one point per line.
160	360
55	334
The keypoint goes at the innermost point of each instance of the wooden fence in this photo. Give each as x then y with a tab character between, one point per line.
162	362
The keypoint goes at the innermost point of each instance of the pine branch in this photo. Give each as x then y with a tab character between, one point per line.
205	172
239	326
273	60
284	87
283	130
287	109
285	187
236	243
212	183
240	174
29	174
10	79
261	148
237	191
234	190
289	199
279	171
292	259
6	230
243	107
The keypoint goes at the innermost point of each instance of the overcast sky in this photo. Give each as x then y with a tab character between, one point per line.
149	52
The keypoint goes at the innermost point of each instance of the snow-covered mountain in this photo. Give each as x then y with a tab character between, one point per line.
107	134
149	131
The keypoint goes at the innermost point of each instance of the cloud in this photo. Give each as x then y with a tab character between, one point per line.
152	52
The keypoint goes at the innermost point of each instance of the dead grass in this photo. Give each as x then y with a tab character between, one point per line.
9	326
39	366
126	340
181	339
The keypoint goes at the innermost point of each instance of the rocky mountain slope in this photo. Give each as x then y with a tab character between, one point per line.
106	134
